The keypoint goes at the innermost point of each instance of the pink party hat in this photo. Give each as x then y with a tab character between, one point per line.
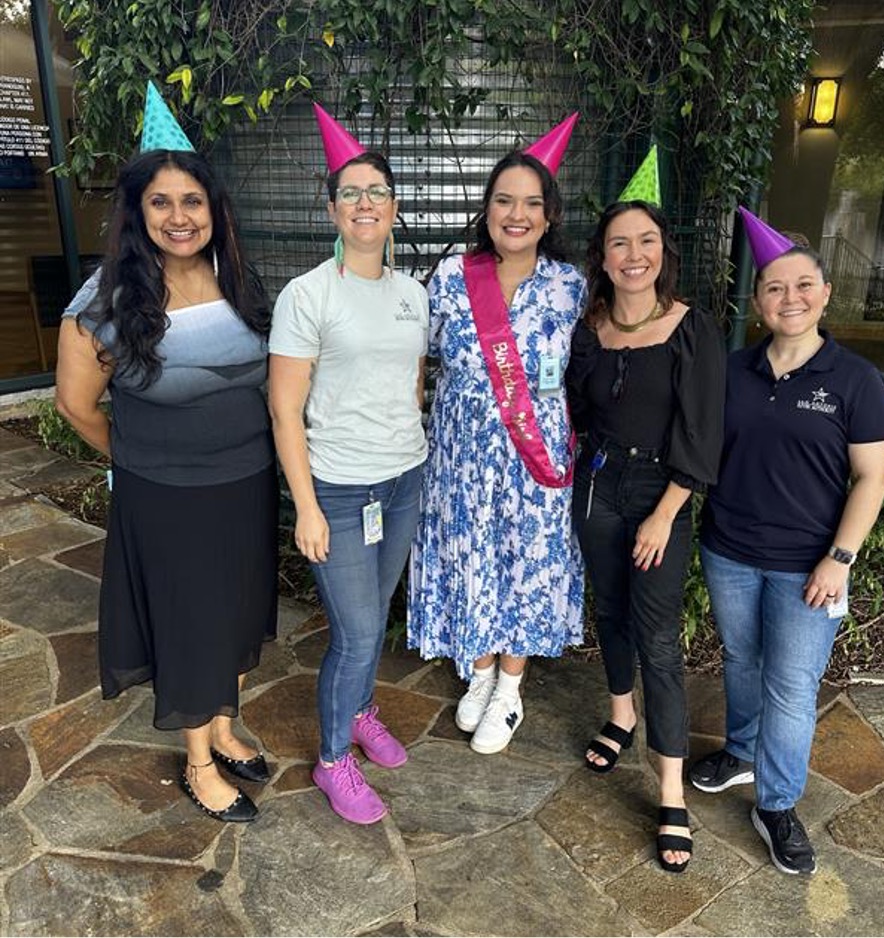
765	243
340	146
160	130
550	148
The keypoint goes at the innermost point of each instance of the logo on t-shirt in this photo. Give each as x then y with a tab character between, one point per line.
818	403
406	312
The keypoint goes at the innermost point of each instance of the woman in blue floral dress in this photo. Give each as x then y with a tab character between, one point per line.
495	570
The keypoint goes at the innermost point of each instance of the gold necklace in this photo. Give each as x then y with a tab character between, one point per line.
655	313
183	295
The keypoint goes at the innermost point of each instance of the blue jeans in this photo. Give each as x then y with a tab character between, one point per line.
356	584
776	649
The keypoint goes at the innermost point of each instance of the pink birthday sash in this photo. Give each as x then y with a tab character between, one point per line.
507	372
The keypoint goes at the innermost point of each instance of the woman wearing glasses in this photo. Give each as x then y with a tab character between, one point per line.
346	373
646	380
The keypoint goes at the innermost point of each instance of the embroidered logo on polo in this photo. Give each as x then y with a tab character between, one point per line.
818	402
405	312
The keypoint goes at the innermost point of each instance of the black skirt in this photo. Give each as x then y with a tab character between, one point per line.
189	591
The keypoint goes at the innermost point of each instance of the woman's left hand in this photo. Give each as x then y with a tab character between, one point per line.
651	540
826	584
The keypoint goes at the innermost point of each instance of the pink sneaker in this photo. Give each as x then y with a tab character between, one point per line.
348	793
376	741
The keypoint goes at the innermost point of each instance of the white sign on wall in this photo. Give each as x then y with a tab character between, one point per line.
20	135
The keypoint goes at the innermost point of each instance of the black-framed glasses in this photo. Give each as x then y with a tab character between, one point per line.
377	194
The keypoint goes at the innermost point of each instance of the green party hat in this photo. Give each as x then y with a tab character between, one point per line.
160	130
645	184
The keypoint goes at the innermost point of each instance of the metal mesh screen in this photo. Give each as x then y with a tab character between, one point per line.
275	170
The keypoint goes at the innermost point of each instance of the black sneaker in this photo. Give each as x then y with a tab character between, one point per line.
720	770
790	848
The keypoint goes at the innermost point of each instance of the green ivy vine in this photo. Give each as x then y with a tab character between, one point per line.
702	77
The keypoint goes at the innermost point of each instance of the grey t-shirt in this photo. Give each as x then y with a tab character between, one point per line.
204	421
362	416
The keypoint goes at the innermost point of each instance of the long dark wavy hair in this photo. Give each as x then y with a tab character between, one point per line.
601	289
552	244
132	295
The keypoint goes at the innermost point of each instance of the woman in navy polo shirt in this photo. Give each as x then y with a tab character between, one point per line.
780	531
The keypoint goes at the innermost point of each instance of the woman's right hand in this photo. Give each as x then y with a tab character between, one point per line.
312	535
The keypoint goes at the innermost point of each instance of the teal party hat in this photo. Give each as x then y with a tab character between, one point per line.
160	130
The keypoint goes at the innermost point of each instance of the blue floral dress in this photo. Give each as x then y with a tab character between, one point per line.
494	565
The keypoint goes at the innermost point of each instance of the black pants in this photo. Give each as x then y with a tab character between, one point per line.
638	612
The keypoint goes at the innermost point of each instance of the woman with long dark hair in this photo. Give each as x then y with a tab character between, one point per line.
496	573
646	383
174	326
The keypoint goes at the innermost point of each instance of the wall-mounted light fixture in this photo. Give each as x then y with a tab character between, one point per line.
822	97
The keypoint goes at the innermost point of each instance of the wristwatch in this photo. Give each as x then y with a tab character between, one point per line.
842	555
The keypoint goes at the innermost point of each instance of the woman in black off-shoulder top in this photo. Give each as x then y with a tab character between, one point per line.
646	385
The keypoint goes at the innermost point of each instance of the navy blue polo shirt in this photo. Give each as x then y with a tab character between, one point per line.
785	468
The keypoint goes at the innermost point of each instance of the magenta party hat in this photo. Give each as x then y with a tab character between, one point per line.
340	146
645	183
160	130
550	148
765	243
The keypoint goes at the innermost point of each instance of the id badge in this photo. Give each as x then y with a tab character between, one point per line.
372	523
839	609
550	373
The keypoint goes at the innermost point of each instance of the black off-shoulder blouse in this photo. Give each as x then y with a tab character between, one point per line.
668	397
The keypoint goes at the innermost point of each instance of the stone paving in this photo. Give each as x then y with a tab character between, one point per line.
97	839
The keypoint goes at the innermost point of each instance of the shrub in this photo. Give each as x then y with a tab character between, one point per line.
58	435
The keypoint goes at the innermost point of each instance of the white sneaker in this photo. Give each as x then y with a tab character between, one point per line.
501	719
471	707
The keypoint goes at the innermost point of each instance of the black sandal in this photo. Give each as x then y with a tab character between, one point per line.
241	809
619	735
673	817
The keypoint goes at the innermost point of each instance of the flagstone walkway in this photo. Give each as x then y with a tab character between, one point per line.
96	838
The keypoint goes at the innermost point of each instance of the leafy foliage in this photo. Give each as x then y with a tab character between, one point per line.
215	61
860	165
699	75
702	76
58	435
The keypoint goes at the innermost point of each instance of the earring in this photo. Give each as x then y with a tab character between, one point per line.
339	254
215	262
388	251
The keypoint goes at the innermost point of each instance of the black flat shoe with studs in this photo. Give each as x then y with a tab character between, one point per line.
241	809
251	770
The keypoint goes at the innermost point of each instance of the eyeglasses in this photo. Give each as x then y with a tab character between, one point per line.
377	194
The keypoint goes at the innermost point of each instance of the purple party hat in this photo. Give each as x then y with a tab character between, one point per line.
765	243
